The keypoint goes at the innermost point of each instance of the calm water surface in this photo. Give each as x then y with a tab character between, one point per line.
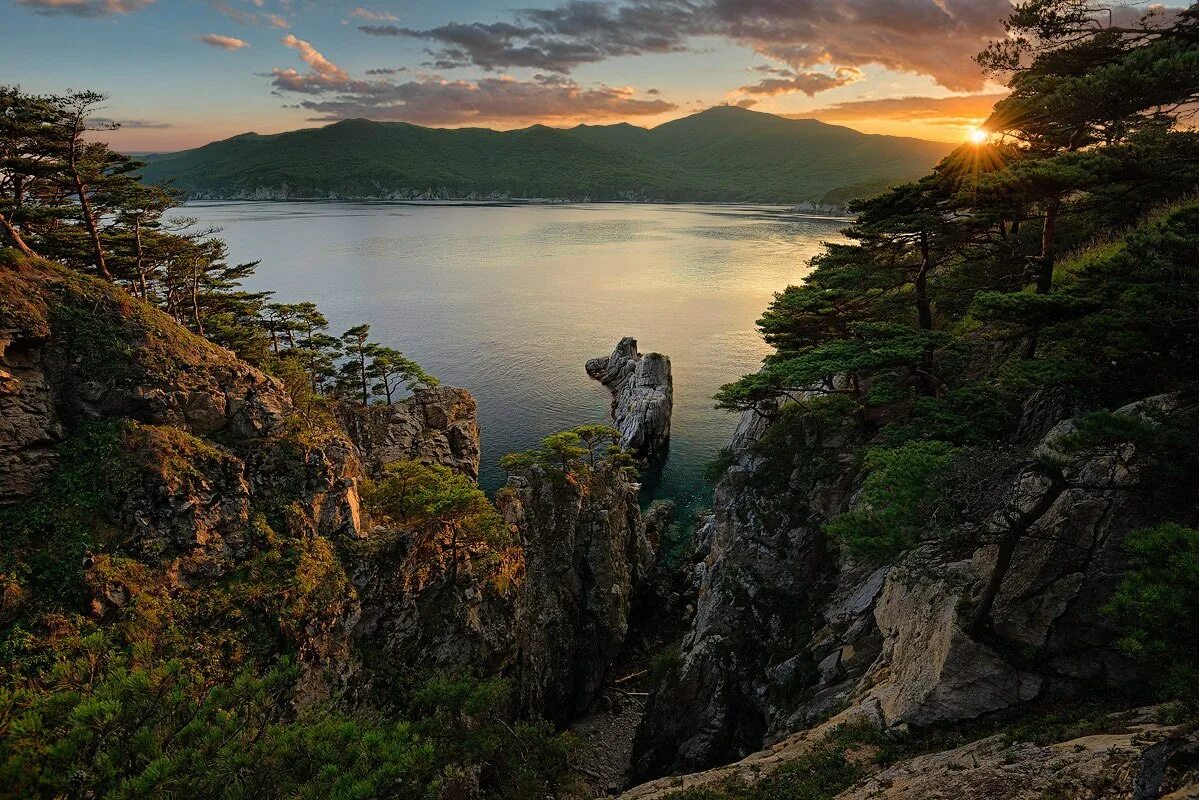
510	300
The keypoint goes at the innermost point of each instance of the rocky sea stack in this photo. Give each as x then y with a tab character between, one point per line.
642	396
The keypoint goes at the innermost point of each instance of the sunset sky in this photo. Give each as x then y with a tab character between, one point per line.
181	73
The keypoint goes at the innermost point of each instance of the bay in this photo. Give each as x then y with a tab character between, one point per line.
510	300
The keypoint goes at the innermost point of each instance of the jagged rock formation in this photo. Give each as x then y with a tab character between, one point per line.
434	426
642	396
785	632
759	561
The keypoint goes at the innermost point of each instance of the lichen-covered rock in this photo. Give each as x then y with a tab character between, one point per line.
437	425
642	396
1131	762
930	670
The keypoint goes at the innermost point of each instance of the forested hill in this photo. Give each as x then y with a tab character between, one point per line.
722	154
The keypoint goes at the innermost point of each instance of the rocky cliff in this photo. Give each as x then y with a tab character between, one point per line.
999	614
72	350
642	396
214	481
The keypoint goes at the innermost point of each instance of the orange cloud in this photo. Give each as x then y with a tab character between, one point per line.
223	42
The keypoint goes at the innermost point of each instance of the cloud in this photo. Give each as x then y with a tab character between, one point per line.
375	16
140	124
937	38
554	39
223	42
810	83
242	17
85	8
386	70
324	72
948	111
333	94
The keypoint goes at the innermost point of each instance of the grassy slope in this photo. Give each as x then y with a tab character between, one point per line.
720	154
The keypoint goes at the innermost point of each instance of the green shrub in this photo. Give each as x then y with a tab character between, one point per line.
1156	608
899	502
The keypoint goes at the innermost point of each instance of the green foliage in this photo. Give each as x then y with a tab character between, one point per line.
868	348
435	497
579	452
714	470
901	499
117	723
465	720
1157	608
972	414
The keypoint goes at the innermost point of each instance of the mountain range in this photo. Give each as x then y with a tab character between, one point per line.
724	154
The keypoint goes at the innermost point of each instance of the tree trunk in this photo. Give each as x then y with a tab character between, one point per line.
85	204
980	617
924	314
1048	235
362	374
924	311
141	260
1045	263
196	301
11	230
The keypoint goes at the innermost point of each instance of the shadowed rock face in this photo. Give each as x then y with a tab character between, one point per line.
549	611
642	396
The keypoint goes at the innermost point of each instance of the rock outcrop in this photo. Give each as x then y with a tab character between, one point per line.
434	426
549	612
642	396
760	558
212	473
588	550
786	632
1128	756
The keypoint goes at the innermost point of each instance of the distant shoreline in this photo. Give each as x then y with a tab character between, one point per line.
821	212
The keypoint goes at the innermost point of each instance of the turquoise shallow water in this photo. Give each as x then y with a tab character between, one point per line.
509	301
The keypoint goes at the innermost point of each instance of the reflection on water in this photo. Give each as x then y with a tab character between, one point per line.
510	300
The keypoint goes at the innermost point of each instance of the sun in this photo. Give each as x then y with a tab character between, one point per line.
978	135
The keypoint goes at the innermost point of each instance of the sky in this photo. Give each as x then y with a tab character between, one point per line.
181	73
